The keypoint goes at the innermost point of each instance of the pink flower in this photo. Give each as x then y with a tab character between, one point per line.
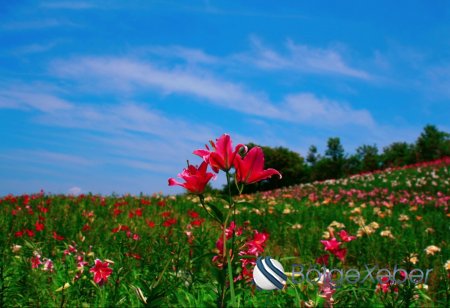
101	272
195	178
340	253
48	265
223	156
323	260
331	245
256	246
250	169
232	228
36	261
345	237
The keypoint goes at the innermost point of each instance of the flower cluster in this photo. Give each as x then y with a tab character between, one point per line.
222	156
251	248
334	246
37	261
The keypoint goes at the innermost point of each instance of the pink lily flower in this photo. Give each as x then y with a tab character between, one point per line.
196	178
222	156
250	169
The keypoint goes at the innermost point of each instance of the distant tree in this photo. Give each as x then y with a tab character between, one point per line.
352	165
368	156
335	158
312	157
398	154
335	150
432	144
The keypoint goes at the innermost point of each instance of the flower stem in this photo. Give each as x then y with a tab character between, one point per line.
226	252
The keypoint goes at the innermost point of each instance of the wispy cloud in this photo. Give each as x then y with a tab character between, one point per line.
44	157
69	5
302	58
189	55
34	48
28	98
127	117
307	108
125	74
438	81
132	75
36	24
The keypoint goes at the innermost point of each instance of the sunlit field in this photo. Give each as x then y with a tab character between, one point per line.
92	250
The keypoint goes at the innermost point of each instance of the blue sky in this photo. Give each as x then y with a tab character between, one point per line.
113	96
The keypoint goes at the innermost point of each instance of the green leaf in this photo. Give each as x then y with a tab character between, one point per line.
216	212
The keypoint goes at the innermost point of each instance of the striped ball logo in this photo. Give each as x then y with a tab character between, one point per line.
269	274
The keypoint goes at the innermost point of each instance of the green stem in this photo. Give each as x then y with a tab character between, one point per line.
228	257
202	202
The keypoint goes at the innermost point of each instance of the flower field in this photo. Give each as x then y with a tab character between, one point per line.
92	250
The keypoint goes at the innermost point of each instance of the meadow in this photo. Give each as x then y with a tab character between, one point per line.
98	251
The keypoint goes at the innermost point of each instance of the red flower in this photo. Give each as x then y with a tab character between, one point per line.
331	245
223	156
165	214
36	261
323	260
18	234
250	169
30	233
57	237
120	228
116	212
340	253
193	214
345	237
101	272
197	222
151	224
145	202
169	222
196	178
256	246
138	212
229	231
39	226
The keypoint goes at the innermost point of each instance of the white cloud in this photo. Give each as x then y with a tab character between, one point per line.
125	75
45	157
302	58
70	5
133	75
190	55
35	48
28	97
309	109
36	24
74	191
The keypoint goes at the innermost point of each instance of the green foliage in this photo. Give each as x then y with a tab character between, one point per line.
398	154
432	144
368	155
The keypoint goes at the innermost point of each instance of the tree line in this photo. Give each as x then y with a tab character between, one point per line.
335	163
